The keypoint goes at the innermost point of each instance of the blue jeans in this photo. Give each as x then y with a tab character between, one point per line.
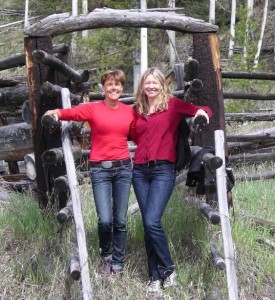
153	187
111	190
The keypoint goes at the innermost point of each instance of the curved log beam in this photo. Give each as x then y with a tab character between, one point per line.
64	23
57	64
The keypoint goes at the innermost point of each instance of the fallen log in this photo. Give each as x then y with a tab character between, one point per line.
251	177
247	75
247	158
57	64
16	141
242	117
248	96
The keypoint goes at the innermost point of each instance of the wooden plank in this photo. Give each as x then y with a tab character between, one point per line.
64	23
229	256
75	196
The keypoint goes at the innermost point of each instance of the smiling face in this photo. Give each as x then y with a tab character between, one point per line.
112	89
151	87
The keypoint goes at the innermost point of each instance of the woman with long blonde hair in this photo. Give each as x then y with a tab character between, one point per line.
157	121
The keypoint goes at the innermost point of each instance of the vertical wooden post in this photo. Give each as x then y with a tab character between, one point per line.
43	139
207	53
75	196
229	256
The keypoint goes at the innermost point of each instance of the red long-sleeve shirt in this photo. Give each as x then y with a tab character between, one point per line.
110	128
156	135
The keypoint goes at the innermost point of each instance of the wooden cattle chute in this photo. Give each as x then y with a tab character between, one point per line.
48	74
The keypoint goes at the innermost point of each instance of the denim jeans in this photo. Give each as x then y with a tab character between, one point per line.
153	187
111	190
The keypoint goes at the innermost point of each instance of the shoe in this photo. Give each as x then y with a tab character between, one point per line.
169	281
117	271
154	286
105	266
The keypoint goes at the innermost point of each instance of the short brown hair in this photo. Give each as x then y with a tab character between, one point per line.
117	75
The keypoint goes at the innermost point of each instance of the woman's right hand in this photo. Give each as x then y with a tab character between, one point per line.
54	112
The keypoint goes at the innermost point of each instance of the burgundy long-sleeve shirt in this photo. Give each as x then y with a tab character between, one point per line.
110	128
156	134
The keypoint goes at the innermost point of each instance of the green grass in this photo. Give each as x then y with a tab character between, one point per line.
35	253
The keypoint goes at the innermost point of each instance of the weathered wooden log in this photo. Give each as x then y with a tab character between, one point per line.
191	69
14	177
247	75
179	76
54	90
75	265
75	196
248	96
65	213
61	183
14	96
49	121
56	155
30	166
9	118
19	60
248	177
212	162
21	186
266	223
63	23
253	141
16	141
242	117
57	64
249	159
211	214
217	257
229	256
6	82
26	112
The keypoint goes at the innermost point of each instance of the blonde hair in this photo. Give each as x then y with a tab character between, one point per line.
161	103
